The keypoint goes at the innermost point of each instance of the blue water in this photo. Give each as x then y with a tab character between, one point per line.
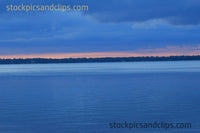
86	97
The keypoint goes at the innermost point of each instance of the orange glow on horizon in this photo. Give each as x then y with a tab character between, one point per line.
91	55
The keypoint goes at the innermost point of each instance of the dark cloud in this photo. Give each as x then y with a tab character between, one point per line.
177	12
109	25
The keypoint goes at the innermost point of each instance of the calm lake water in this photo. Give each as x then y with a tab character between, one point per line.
86	97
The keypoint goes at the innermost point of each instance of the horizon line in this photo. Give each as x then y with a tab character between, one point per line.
93	55
99	57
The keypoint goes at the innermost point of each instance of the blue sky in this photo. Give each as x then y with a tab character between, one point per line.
133	26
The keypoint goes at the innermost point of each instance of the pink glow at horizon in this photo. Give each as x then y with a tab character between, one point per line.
92	55
167	51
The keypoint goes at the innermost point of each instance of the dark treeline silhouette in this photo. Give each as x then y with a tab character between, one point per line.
90	60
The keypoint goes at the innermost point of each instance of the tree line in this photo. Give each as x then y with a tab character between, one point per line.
93	60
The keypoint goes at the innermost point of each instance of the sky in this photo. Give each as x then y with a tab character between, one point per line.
110	28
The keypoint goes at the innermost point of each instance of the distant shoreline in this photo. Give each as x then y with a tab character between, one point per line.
96	60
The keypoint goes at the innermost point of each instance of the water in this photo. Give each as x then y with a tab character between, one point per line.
86	97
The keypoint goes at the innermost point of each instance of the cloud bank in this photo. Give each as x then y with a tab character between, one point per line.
108	25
